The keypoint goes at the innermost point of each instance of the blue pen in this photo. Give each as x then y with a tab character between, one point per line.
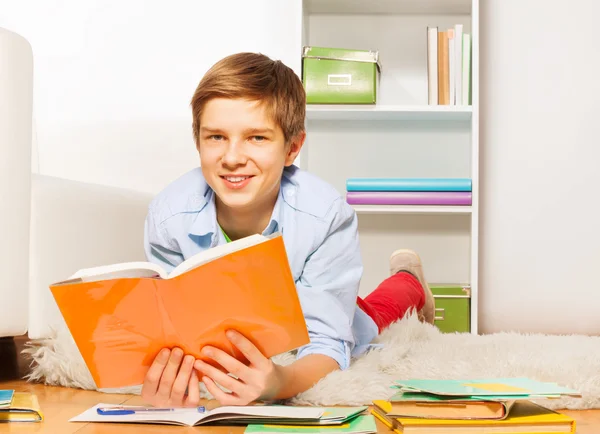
121	411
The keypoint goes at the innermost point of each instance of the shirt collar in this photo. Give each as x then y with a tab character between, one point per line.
205	229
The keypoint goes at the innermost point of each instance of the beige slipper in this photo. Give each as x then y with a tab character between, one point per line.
408	260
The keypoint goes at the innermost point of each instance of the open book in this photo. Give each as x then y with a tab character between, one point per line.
149	269
225	415
122	315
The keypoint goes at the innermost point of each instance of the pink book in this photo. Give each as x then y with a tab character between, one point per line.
409	197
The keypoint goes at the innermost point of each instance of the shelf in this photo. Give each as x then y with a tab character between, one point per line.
371	7
388	112
411	209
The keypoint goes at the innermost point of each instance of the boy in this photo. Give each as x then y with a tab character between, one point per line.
248	125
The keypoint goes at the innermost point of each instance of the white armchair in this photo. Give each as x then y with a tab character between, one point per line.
77	225
16	96
51	227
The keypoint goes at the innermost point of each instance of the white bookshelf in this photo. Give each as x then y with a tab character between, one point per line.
411	209
400	136
388	112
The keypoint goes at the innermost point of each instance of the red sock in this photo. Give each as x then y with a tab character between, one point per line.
393	298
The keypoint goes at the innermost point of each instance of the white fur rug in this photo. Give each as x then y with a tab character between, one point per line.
410	349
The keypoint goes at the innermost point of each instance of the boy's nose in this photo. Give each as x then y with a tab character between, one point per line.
234	154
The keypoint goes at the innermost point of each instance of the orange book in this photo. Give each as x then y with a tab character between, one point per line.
122	315
443	68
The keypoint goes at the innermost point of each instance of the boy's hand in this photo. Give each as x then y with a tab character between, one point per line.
168	378
261	380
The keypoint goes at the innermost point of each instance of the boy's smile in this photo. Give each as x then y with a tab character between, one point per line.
242	156
236	182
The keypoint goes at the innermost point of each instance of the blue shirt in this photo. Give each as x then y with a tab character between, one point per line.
320	233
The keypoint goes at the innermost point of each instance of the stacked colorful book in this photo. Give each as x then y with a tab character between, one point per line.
478	406
19	407
409	191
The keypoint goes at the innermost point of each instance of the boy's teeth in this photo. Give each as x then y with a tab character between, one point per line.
235	178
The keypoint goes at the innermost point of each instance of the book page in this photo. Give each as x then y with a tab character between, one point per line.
191	416
116	271
271	413
217	252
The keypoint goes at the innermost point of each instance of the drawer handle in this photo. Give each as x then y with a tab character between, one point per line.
440	318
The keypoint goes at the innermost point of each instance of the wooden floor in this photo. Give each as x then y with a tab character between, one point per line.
59	404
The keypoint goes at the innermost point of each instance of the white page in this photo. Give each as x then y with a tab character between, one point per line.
191	416
114	271
184	416
217	252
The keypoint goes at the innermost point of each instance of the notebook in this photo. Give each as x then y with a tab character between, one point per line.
426	405
6	397
524	417
230	415
358	425
24	407
498	388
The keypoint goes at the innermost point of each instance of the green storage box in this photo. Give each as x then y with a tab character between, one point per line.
452	307
340	76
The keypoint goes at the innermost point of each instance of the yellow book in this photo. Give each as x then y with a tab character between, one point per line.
24	407
380	414
524	417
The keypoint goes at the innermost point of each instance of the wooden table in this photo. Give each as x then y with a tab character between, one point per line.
59	404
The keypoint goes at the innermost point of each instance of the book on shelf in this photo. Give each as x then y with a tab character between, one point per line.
449	69
408	184
456	198
122	315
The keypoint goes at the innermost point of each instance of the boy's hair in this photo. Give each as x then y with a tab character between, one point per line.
256	77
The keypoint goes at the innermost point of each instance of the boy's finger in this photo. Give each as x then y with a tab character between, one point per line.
183	378
154	374
248	349
231	364
223	397
223	379
169	374
193	398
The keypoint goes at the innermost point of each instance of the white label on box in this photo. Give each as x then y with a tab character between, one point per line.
339	79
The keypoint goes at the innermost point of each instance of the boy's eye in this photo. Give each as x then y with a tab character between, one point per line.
216	137
258	138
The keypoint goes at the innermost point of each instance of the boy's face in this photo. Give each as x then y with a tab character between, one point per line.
243	152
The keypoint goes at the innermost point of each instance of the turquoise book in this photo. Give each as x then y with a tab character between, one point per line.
497	388
409	184
6	397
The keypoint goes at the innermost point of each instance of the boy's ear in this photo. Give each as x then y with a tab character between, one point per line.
294	147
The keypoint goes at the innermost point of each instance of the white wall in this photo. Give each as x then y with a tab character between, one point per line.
540	99
113	79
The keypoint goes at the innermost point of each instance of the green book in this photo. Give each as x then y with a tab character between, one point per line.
498	388
357	425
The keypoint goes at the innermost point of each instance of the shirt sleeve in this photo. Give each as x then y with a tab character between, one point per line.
328	288
157	246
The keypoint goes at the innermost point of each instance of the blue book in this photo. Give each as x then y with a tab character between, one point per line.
6	397
408	184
